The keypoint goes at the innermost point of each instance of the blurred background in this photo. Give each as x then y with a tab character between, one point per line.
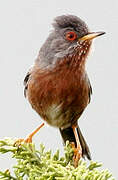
24	26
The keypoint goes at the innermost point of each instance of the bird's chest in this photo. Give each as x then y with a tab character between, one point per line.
57	96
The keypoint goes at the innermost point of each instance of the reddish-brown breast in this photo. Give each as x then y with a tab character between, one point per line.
60	95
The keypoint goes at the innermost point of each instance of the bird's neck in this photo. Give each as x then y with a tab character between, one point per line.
74	59
74	62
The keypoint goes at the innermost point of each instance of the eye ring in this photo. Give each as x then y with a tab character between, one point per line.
71	36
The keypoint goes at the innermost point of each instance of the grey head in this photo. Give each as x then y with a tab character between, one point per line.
57	45
67	34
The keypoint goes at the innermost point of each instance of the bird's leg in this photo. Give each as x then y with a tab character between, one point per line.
29	138
78	149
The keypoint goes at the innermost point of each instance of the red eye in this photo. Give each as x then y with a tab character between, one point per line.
71	36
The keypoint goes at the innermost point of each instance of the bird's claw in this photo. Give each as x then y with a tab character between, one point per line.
77	154
18	142
29	138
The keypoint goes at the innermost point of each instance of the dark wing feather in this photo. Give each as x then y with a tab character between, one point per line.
89	87
90	90
26	82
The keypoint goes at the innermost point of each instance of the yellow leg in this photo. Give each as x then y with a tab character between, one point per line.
29	138
78	149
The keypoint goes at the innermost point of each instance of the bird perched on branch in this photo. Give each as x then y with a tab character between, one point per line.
57	86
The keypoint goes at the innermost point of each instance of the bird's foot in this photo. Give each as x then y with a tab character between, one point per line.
29	138
77	149
77	154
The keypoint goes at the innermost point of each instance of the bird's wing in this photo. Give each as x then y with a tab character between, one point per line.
26	79
89	87
90	91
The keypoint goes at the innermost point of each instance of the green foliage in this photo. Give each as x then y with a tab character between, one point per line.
33	164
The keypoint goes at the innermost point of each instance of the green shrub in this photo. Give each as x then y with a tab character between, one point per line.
33	164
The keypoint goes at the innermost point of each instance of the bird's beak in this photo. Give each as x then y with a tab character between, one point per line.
91	36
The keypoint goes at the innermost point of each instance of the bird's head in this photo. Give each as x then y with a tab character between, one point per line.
69	37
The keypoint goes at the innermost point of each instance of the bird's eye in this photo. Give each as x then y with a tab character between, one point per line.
71	36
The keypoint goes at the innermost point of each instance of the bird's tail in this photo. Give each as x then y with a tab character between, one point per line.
68	134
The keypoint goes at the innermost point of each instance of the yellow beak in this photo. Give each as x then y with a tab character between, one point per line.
91	36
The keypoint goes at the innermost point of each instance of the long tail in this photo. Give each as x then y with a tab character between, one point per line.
68	134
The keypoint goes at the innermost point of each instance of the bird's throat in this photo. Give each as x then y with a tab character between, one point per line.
76	59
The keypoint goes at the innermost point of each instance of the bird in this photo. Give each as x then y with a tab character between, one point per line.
57	86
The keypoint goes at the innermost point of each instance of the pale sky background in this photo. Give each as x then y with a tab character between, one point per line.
24	26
